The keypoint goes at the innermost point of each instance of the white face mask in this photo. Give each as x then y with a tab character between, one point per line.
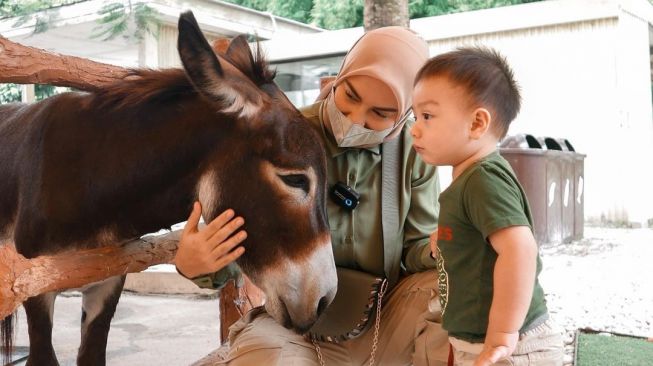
348	133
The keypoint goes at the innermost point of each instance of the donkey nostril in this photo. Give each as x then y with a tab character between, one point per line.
322	305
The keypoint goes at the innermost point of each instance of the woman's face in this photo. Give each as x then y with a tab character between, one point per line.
367	101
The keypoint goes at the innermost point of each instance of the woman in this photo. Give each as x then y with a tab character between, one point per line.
364	108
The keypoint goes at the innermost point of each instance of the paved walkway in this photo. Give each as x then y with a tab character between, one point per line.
146	330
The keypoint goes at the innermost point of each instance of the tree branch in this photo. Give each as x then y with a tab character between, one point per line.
27	65
21	64
22	278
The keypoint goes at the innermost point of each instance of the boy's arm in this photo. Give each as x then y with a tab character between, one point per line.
514	279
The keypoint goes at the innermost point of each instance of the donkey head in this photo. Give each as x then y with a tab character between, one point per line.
271	170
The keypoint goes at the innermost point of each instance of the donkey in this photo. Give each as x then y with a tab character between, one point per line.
81	170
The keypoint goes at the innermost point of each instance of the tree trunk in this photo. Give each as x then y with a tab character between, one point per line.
22	278
383	13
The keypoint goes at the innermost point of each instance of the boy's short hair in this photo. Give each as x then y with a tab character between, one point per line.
487	78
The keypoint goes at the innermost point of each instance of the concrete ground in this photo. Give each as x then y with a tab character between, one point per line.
146	329
603	282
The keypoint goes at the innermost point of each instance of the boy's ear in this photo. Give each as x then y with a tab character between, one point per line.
481	121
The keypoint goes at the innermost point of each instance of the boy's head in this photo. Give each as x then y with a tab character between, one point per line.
463	100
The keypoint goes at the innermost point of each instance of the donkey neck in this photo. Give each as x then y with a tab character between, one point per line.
136	168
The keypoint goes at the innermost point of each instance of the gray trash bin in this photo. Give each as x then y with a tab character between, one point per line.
551	174
566	185
573	201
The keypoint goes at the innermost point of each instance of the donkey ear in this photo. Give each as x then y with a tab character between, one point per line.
218	81
241	55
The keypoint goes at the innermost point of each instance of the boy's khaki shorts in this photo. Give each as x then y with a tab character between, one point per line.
540	346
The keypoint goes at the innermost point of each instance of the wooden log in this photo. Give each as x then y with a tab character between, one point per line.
21	278
27	65
21	64
236	302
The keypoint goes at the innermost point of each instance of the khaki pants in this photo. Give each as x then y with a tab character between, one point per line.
410	334
540	346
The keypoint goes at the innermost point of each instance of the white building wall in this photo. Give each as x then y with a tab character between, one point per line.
632	172
168	54
581	81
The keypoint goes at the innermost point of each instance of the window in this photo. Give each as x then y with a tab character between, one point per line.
300	80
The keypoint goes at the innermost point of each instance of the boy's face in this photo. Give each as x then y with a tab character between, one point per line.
443	114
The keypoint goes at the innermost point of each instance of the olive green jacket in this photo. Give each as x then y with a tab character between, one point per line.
357	236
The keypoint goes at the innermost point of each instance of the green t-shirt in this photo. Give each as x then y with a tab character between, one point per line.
486	197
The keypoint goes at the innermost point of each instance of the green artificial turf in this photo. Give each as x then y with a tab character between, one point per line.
606	349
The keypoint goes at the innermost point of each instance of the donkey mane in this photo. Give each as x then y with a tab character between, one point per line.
256	69
141	86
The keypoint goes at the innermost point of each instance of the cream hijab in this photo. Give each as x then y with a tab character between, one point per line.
392	55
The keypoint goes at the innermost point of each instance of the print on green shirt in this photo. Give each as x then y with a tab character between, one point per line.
443	281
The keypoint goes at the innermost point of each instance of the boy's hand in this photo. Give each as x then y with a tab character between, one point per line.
210	249
433	243
497	346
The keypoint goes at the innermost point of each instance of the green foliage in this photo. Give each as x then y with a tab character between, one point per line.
428	8
42	91
9	93
328	14
13	8
136	19
337	14
260	5
331	14
132	21
299	10
26	11
12	92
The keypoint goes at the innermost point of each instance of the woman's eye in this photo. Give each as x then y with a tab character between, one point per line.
296	181
380	114
350	95
426	116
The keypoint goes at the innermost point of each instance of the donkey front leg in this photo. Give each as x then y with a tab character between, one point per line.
39	310
99	301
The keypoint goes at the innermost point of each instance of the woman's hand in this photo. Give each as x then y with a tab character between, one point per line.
210	249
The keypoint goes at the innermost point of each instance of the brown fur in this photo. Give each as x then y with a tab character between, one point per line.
125	160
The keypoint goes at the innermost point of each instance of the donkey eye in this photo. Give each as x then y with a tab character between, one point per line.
296	181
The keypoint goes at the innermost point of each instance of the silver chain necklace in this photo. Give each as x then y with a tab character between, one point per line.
377	324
